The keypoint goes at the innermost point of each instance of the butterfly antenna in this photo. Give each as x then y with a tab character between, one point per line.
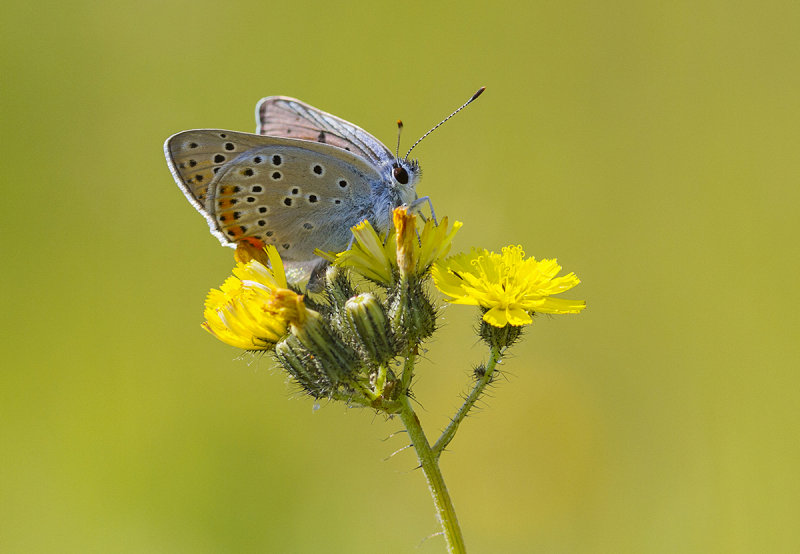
464	105
399	130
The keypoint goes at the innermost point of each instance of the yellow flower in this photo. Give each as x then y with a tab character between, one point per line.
507	285
402	251
244	312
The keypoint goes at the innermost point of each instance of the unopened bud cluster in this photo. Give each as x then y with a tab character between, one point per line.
343	347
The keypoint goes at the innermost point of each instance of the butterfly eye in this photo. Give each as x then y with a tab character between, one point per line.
400	175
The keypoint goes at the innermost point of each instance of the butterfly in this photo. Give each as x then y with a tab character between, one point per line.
300	183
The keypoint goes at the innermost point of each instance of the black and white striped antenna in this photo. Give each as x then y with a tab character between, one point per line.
464	105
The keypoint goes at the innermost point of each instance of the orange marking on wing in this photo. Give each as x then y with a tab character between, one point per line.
227	217
254	242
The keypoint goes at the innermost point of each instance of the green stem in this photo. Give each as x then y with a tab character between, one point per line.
450	431
430	466
408	370
380	380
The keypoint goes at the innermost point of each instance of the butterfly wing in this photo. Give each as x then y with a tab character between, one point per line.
281	116
296	194
195	157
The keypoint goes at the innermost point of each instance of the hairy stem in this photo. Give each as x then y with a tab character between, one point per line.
485	379
429	463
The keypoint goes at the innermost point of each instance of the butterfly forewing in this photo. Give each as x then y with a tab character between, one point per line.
281	116
292	193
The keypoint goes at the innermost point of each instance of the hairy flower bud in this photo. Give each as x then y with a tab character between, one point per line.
368	323
338	287
339	361
299	363
412	314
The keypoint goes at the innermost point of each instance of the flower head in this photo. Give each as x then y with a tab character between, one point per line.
507	285
244	312
405	251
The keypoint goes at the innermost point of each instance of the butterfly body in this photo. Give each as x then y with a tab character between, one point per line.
300	183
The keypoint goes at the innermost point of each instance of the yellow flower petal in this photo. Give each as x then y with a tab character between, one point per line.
517	316
435	242
496	316
561	306
368	255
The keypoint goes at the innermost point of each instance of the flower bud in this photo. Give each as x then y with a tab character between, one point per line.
369	325
299	363
412	314
337	360
338	286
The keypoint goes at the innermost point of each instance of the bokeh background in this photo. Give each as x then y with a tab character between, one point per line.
651	147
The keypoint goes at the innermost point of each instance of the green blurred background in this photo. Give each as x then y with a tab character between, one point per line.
651	147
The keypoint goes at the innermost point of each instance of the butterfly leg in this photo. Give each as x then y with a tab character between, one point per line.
418	203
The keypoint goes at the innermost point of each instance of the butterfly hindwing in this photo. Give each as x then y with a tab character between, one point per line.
195	157
296	194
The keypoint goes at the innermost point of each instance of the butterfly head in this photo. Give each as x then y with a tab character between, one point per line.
405	176
406	172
